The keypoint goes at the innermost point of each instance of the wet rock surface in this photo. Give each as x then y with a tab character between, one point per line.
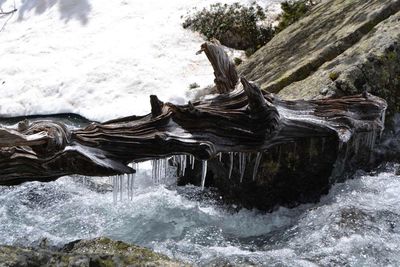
96	252
287	175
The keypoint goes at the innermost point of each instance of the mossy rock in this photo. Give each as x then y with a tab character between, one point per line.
102	252
340	48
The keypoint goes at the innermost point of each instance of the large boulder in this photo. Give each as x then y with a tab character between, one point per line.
343	47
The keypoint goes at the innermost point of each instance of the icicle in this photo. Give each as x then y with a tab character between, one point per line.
240	163
231	164
152	170
136	166
193	160
128	185
115	189
243	165
184	164
203	173
166	168
130	180
156	171
133	176
133	184
160	171
120	179
153	166
256	165
180	165
383	118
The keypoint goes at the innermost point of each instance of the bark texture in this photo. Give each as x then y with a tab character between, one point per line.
241	119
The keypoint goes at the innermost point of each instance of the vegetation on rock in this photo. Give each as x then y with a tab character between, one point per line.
339	48
236	26
243	27
292	11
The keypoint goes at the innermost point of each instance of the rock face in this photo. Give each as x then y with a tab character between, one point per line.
96	252
287	175
343	47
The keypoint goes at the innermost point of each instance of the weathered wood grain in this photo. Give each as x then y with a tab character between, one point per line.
241	119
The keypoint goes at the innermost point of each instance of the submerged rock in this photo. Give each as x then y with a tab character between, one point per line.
95	252
97	184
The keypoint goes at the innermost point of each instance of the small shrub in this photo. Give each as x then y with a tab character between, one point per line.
194	85
237	61
236	26
242	27
292	11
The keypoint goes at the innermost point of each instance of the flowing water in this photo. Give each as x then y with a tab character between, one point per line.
357	223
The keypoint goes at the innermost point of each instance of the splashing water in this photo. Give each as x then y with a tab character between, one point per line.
356	224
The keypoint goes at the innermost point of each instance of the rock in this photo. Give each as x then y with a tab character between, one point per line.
341	48
389	148
354	218
96	252
287	175
97	184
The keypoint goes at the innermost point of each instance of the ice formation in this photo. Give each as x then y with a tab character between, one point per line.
256	165
203	173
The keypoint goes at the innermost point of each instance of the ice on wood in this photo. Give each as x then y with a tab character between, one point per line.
191	161
242	165
123	183
256	165
230	164
203	173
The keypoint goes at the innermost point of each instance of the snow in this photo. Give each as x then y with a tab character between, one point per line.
101	59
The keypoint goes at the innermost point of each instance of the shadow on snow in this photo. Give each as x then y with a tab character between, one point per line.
69	9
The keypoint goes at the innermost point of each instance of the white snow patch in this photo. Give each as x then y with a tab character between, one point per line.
101	59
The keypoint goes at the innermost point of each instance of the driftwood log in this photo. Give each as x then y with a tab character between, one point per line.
240	119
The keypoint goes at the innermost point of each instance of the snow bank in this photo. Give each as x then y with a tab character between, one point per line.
101	59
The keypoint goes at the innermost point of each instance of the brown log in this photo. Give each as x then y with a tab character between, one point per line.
242	120
226	77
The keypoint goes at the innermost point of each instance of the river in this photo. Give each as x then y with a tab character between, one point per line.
356	224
